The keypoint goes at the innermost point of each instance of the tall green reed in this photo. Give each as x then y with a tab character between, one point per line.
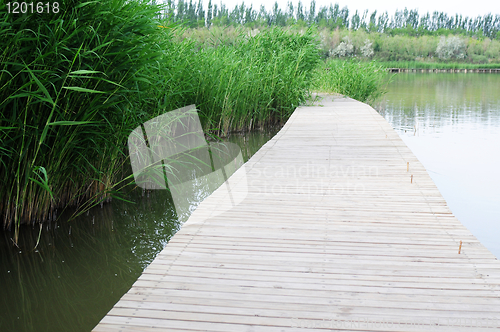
258	81
73	84
363	81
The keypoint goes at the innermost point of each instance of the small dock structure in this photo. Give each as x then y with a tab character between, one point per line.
341	228
462	70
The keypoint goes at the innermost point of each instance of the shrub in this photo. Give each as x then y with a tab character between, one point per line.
344	49
450	48
477	58
367	49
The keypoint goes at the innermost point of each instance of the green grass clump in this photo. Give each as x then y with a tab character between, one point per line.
363	81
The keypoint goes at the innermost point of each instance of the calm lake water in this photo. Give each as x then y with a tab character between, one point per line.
451	122
81	268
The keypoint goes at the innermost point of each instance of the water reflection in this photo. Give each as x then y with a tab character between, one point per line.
452	124
81	268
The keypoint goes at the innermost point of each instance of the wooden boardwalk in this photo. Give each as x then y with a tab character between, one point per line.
341	229
414	70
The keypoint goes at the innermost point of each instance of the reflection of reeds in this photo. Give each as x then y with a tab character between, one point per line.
437	100
81	268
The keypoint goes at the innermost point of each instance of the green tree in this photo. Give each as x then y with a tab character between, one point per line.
312	12
200	14
209	14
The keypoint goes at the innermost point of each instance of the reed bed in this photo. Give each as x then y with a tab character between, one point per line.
73	85
363	81
258	82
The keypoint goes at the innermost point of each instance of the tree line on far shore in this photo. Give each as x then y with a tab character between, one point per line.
402	22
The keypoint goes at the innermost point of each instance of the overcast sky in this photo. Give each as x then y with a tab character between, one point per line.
466	8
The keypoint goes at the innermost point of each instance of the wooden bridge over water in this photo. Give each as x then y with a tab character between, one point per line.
341	229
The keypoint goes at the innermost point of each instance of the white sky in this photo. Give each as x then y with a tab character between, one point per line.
471	8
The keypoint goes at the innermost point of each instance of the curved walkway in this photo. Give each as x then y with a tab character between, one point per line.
341	228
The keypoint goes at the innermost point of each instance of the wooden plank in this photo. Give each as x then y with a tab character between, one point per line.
333	230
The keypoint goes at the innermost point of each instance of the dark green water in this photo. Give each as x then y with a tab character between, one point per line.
81	268
451	122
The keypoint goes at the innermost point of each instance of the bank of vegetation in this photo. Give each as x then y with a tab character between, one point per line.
406	35
360	80
73	85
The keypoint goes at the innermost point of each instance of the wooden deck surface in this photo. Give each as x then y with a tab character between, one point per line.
335	233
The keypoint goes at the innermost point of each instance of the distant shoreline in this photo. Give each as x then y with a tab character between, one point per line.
464	70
